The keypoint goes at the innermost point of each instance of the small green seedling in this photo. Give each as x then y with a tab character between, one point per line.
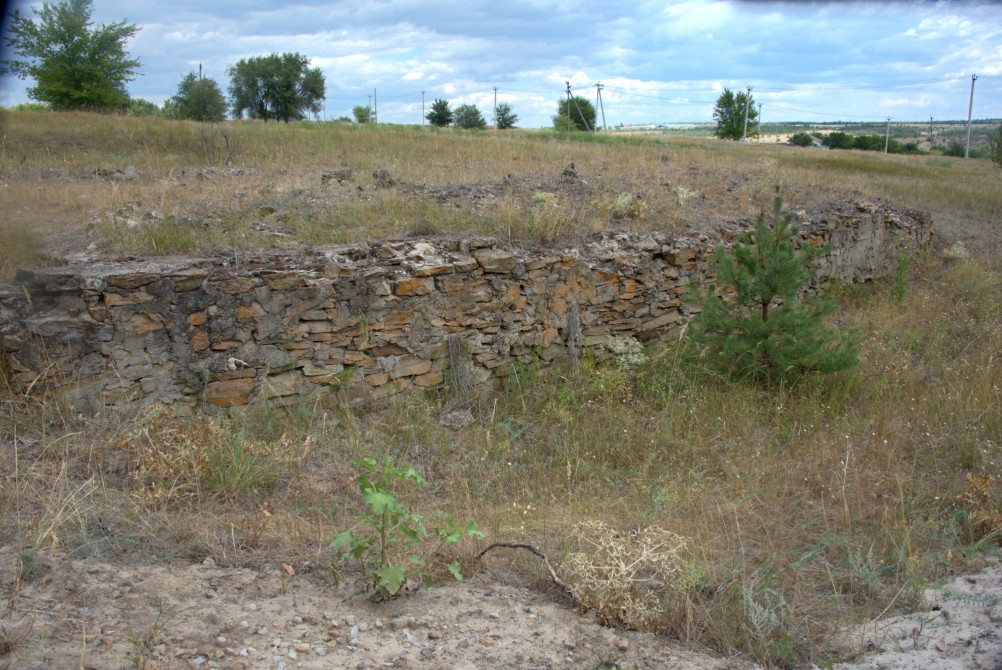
392	542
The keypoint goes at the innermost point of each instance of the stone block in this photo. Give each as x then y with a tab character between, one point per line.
429	379
432	269
680	256
410	366
285	384
251	311
132	281
233	286
310	327
121	300
495	261
414	287
199	341
197	318
282	281
146	323
188	280
229	393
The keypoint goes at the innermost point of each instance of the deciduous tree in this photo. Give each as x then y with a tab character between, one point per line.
277	86
504	117
74	64
469	117
581	114
729	113
198	99
362	113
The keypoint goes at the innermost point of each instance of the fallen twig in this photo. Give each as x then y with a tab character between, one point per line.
546	561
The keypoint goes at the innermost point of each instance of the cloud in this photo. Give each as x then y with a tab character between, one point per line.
936	27
660	60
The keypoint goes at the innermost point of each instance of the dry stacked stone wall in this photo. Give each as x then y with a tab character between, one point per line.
377	319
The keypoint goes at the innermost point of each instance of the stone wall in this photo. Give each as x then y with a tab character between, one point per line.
376	319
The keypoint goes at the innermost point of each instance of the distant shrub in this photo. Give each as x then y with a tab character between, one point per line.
995	146
31	107
956	149
504	117
141	107
802	140
362	113
440	114
868	143
838	140
469	117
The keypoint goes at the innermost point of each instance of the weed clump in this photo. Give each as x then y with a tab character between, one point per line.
635	579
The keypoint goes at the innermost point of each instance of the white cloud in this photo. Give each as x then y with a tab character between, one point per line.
936	27
655	56
921	101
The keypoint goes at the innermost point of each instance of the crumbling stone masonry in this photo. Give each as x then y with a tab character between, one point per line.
376	319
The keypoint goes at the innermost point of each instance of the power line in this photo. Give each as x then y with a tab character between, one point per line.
849	87
825	113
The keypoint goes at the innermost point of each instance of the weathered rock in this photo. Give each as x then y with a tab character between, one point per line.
230	392
495	260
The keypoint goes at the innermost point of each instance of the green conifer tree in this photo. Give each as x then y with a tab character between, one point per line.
753	324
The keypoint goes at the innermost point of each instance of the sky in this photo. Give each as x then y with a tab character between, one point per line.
657	62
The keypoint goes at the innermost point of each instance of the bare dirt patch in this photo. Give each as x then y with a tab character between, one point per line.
93	614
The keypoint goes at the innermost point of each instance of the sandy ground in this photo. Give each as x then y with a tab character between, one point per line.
91	615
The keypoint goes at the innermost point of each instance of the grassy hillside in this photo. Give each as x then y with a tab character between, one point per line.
804	508
204	187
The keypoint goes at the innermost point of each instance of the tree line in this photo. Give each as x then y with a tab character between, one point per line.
76	65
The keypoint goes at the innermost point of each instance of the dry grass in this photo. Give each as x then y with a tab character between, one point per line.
804	508
205	188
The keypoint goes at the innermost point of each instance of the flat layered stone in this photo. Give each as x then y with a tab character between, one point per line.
229	393
233	286
132	281
282	281
121	300
495	260
414	287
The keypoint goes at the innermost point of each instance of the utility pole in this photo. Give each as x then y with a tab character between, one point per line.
375	107
970	106
759	119
887	135
568	105
422	108
200	72
570	101
598	94
744	135
495	105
